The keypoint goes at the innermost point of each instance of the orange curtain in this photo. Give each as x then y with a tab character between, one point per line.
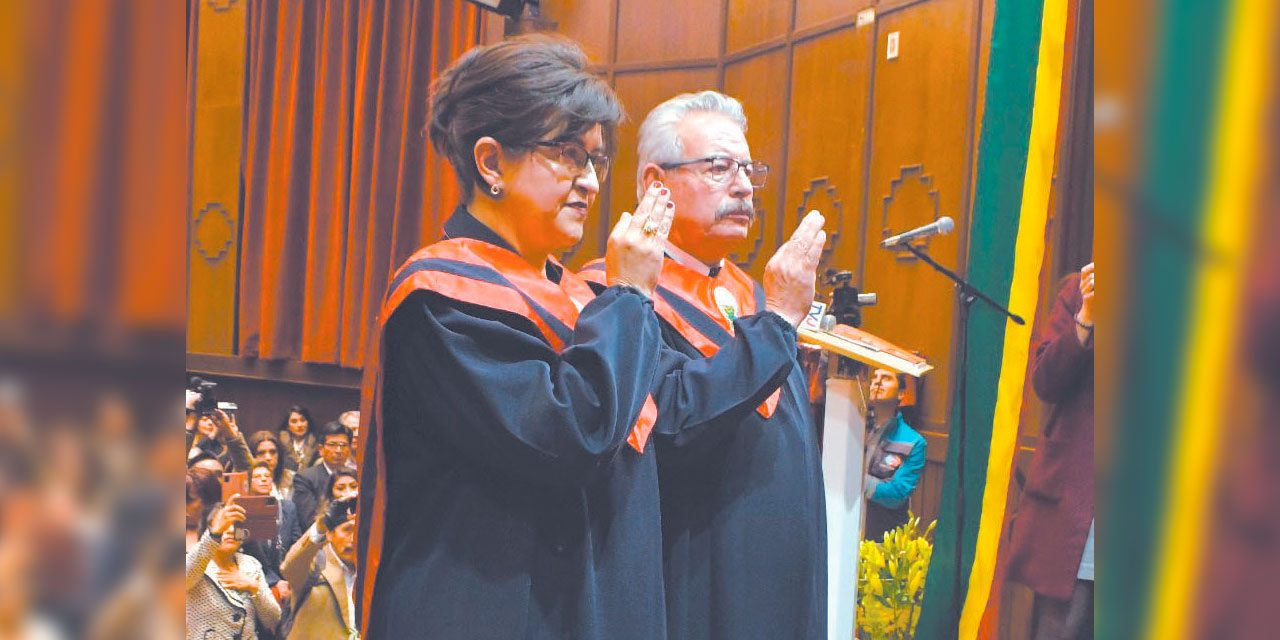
92	119
340	184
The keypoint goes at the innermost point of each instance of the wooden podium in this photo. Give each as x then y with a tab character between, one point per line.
844	434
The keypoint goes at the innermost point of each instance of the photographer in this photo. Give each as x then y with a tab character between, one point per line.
322	567
211	430
227	594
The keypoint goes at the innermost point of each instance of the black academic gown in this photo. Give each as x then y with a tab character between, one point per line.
516	502
743	505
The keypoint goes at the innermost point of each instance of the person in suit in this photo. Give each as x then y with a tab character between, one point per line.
322	564
310	484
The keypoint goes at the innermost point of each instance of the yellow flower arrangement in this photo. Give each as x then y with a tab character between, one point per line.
891	577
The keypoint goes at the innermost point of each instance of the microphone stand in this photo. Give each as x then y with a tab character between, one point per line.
968	294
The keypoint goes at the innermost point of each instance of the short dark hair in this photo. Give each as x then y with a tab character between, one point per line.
334	428
205	486
517	91
302	411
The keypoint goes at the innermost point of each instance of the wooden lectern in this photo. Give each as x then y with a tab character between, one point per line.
844	433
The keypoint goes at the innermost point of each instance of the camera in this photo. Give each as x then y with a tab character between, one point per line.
846	302
206	403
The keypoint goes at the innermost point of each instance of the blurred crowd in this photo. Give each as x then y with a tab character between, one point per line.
85	546
89	516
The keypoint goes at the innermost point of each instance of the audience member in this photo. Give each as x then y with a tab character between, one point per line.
895	456
299	438
343	484
271	553
322	563
218	435
351	420
268	448
204	490
208	462
227	594
310	484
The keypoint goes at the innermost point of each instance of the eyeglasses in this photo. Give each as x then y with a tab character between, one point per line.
573	154
337	445
723	169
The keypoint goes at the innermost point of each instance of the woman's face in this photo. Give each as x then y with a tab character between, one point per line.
260	483
554	194
297	424
268	452
207	427
228	544
345	487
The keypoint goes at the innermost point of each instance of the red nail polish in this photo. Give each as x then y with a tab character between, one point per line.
657	184
663	192
671	205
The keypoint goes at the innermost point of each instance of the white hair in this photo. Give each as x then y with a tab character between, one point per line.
659	142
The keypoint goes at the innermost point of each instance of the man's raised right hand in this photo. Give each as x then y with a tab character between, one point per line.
791	275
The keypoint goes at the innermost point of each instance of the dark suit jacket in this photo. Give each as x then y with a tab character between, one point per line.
1052	522
308	489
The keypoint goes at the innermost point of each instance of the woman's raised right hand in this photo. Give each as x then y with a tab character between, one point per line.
225	517
637	243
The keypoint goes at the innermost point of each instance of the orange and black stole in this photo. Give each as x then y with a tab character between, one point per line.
478	273
692	303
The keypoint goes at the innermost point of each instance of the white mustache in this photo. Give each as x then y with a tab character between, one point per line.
735	207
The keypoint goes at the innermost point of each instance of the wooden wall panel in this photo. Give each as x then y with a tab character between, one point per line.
752	22
669	30
810	13
214	219
586	21
825	162
754	82
919	146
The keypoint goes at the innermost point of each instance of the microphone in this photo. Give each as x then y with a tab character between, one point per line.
938	227
868	299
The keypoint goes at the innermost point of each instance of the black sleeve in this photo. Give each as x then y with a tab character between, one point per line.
487	382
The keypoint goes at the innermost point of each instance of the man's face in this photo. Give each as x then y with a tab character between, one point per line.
884	388
711	217
343	540
351	420
335	450
261	481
